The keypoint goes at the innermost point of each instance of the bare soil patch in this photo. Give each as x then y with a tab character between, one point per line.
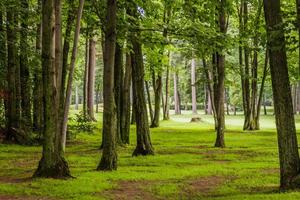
130	190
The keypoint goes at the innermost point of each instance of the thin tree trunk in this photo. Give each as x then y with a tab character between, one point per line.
125	117
70	77
149	100
157	100
38	88
118	85
219	95
91	79
76	98
286	131
193	85
166	115
86	74
109	131
24	69
176	96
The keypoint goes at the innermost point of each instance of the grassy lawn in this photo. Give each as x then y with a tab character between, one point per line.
186	166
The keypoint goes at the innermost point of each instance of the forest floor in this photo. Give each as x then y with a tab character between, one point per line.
186	166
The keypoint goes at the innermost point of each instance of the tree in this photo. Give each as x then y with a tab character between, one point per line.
52	163
109	131
143	146
193	85
285	123
220	66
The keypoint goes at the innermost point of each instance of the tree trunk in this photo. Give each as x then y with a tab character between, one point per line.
286	131
149	101
85	78
125	117
166	115
52	163
70	79
193	85
143	145
176	96
118	85
38	86
109	131
157	100
91	79
261	92
219	95
12	121
24	69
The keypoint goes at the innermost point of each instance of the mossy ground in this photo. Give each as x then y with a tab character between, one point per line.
185	166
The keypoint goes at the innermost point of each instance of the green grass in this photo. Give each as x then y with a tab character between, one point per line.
186	166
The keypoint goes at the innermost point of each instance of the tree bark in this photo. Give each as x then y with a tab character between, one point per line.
285	123
85	78
143	145
166	115
109	131
149	100
219	95
91	79
118	85
193	85
52	163
24	69
157	99
70	78
125	117
38	86
176	95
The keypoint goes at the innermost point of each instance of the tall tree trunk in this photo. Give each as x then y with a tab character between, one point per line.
247	109
193	85
286	131
157	100
68	95
219	95
12	116
118	85
91	79
24	69
38	86
52	163
109	131
86	74
143	145
149	101
3	70
125	117
166	115
261	91
176	95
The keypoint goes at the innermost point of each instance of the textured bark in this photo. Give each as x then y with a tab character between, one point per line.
24	69
76	98
166	115
261	91
149	100
67	100
52	163
143	145
85	78
157	100
38	86
176	95
91	79
125	117
109	154
118	85
12	116
219	94
193	85
285	123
